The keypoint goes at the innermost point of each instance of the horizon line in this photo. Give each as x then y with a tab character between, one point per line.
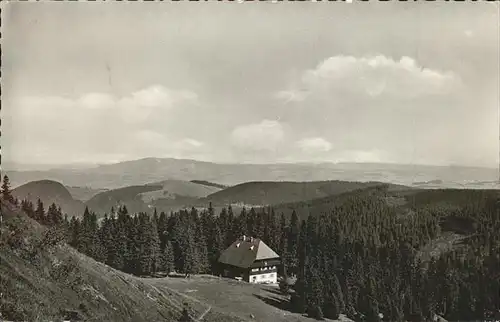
83	165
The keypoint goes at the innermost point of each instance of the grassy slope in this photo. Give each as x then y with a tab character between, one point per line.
209	184
129	196
83	193
268	193
40	281
165	196
240	299
172	188
50	191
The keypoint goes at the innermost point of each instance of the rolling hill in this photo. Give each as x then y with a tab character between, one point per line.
210	184
270	193
405	199
172	188
83	193
50	192
165	196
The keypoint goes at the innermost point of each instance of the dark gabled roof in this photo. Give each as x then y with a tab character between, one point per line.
242	253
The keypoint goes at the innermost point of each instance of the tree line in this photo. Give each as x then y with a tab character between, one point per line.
361	258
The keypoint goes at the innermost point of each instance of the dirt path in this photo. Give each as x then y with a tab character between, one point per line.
203	315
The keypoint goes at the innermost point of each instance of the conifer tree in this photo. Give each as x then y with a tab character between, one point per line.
154	243
231	230
134	245
28	208
54	215
167	258
106	234
119	260
215	247
314	294
293	243
75	233
40	212
6	190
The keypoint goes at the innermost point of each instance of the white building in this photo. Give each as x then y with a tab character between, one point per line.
251	260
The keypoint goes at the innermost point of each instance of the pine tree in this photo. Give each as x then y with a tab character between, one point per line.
298	301
231	227
5	190
122	253
334	303
167	258
75	233
135	246
28	208
293	244
272	230
54	215
40	212
331	307
315	295
154	244
215	247
107	238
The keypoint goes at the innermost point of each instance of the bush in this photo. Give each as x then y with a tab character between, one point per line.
52	237
284	287
315	312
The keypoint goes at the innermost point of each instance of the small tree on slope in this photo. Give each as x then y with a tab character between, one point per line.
6	192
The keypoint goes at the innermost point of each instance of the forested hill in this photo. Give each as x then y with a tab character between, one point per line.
274	192
49	192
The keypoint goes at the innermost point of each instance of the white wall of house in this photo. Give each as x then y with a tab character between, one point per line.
270	276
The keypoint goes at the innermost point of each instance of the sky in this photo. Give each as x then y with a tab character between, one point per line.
256	82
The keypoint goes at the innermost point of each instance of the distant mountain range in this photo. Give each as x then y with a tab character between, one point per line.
170	184
145	171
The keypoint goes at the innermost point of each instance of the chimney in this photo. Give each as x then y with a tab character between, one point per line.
244	238
251	239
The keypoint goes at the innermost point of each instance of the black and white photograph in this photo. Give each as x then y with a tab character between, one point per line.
250	161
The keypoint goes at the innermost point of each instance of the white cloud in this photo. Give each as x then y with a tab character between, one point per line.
291	95
265	135
189	144
363	156
96	101
152	97
159	96
61	129
314	145
373	76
